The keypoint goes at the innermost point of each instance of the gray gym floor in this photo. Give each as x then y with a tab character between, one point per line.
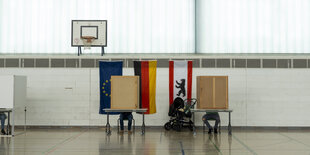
79	141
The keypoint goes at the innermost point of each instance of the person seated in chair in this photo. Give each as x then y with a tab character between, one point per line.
125	116
211	116
2	118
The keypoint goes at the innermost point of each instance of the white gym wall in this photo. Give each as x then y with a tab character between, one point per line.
70	96
259	97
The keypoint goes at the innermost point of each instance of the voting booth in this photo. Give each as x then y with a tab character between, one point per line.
13	92
125	92
212	92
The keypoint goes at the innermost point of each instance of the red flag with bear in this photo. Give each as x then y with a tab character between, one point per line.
180	80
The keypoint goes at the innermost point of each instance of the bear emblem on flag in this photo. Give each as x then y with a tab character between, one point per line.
181	86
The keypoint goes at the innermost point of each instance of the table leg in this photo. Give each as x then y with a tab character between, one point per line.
194	127
143	125
25	120
229	125
108	126
8	129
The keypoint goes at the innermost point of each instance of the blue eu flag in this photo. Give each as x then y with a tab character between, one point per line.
106	70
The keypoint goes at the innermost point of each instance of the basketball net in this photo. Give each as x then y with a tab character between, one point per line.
87	41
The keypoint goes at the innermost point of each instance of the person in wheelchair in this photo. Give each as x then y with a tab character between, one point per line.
125	116
211	116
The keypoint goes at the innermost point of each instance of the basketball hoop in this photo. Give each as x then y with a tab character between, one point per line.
87	41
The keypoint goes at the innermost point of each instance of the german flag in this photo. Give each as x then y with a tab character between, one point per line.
147	72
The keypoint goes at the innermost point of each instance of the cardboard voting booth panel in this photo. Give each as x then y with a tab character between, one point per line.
124	92
212	92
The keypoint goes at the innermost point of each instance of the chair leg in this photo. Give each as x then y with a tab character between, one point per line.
134	125
203	127
118	121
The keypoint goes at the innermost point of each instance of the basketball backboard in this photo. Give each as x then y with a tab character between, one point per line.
96	29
